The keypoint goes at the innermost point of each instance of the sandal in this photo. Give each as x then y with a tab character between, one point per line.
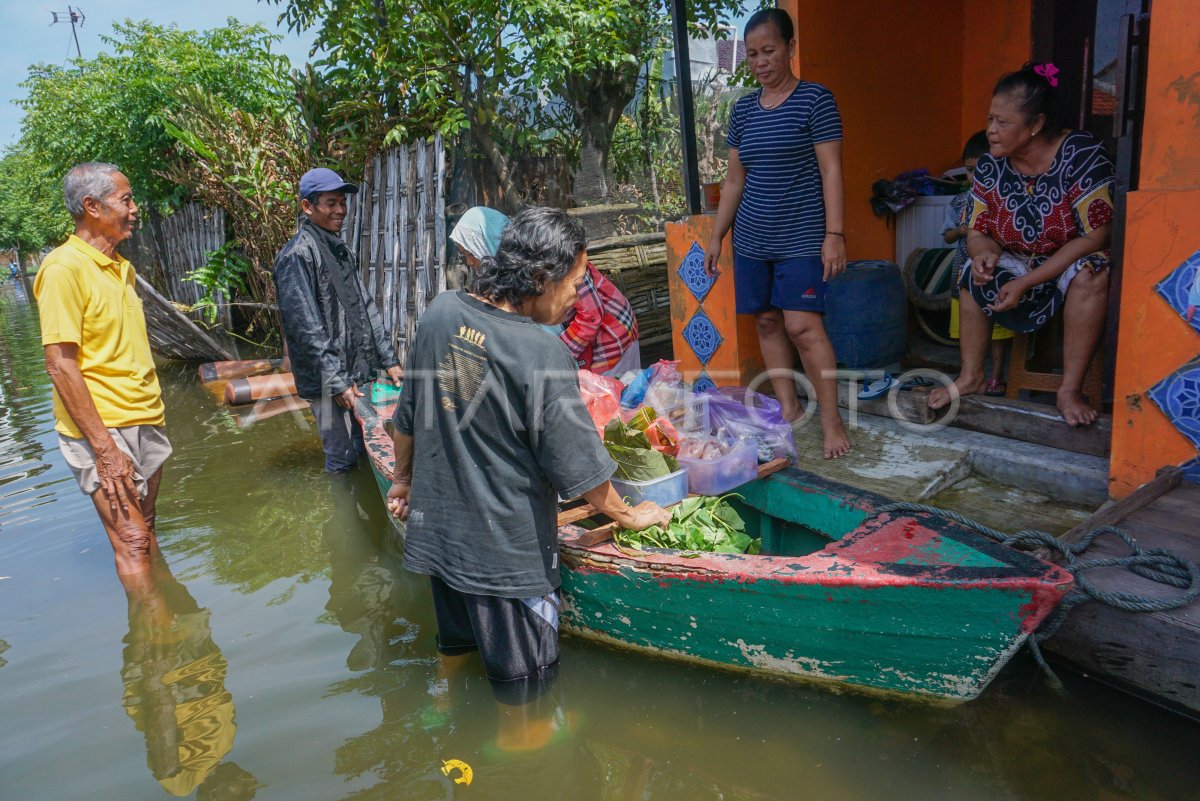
916	381
995	388
876	388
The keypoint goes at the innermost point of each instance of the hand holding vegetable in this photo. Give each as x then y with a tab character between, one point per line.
647	513
696	524
642	516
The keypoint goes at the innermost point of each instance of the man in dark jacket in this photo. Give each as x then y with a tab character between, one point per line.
335	336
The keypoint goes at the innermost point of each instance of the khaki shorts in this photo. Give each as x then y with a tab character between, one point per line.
146	446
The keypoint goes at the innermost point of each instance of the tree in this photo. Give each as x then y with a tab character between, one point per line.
249	165
520	77
111	108
32	214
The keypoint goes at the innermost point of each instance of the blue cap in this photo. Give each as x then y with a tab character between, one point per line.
323	179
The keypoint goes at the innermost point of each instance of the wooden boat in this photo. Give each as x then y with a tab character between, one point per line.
894	602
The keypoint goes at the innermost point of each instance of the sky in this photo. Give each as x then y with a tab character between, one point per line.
30	38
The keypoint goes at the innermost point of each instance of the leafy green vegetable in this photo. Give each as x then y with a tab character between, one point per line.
697	524
636	460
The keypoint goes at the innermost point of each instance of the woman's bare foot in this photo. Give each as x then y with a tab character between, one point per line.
1075	410
837	444
793	412
964	384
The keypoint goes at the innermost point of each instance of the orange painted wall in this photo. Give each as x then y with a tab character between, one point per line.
1162	229
999	39
1171	126
894	69
909	87
738	360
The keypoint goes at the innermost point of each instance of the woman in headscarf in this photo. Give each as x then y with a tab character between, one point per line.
477	234
600	331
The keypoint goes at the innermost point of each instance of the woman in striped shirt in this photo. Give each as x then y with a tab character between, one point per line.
783	197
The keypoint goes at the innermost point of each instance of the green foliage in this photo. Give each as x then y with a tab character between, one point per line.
647	154
249	165
32	213
521	77
112	108
225	272
697	524
636	459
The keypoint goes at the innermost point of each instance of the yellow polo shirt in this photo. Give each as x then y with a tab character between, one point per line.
87	298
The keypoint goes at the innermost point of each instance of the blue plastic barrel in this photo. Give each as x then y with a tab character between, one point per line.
866	310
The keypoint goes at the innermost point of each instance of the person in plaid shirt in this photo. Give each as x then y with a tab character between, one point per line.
601	331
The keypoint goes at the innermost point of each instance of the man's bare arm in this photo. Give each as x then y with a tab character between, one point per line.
113	467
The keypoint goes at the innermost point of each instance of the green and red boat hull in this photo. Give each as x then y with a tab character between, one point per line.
893	602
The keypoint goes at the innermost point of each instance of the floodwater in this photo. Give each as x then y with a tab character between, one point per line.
284	654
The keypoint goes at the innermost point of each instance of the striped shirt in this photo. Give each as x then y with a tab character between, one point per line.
782	213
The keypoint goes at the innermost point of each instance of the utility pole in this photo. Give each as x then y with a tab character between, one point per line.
73	16
687	106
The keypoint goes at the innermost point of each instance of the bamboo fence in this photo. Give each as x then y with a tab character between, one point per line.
397	226
166	249
637	264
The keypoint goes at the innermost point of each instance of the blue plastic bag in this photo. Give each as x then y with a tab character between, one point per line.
636	391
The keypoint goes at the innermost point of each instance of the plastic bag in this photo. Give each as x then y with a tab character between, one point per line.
666	390
661	372
741	414
659	431
602	396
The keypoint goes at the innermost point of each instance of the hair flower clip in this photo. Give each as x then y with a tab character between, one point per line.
1049	72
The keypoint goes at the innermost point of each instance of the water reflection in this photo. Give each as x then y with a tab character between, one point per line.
245	505
174	679
433	709
22	377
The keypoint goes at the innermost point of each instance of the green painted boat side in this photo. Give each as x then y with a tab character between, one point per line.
900	603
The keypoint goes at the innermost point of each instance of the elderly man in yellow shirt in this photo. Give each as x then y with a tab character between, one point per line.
107	401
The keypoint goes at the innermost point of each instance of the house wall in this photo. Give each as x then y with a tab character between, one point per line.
912	80
997	39
1158	353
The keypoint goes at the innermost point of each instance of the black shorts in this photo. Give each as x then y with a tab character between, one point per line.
517	638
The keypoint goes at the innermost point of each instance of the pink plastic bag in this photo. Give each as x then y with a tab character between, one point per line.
602	396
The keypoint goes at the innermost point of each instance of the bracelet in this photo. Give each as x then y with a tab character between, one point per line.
835	233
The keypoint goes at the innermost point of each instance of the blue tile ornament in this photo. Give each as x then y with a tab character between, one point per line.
703	383
691	270
702	336
1178	396
1191	470
1181	290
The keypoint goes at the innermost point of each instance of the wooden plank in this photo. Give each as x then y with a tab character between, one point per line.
569	516
439	212
1030	422
1147	532
1143	496
1153	655
401	331
630	240
1162	519
774	466
1146	654
171	325
1183	500
913	406
596	536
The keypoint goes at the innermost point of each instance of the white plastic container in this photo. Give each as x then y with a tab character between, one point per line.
720	475
689	416
666	490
